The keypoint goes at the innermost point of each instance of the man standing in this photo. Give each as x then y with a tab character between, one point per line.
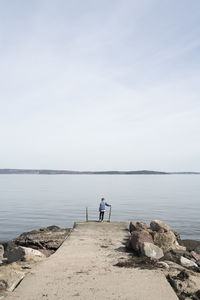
102	208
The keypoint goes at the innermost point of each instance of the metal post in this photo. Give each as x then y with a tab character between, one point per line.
109	215
86	214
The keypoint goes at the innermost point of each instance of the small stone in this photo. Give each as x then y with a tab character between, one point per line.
163	264
187	263
3	285
3	294
151	250
10	278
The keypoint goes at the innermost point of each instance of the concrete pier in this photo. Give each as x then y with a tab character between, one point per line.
83	268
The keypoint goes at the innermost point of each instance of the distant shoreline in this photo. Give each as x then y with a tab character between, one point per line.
68	172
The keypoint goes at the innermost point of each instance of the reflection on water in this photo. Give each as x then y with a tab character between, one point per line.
32	201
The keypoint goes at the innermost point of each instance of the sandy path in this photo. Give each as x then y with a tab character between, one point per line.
83	268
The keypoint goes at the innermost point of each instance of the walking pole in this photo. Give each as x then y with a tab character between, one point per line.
86	214
109	215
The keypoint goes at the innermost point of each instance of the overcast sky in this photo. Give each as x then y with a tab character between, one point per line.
100	85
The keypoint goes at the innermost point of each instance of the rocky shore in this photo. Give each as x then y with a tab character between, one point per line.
18	256
148	247
158	246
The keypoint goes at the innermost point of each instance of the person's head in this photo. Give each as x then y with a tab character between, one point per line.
102	199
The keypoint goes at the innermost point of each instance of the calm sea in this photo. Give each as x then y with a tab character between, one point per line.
32	201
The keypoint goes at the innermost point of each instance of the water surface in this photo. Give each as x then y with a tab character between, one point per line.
32	201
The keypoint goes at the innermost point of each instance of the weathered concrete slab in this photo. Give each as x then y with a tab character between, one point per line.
82	268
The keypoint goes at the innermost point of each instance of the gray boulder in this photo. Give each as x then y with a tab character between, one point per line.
151	250
32	255
138	238
187	263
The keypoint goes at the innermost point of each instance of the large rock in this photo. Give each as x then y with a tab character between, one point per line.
13	253
49	238
151	250
175	255
18	253
185	284
191	245
159	226
10	277
136	226
138	238
187	263
167	241
32	255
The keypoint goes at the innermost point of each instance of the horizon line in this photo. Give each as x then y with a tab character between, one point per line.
39	171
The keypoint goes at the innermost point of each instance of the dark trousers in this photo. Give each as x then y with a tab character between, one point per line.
101	215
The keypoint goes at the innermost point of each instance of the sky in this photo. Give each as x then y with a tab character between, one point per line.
100	85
